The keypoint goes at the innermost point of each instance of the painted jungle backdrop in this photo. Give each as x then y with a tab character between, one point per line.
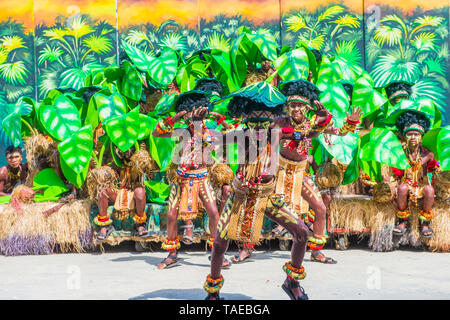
48	44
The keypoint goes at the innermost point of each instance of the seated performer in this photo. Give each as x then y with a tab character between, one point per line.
413	183
303	96
129	197
14	173
253	196
192	184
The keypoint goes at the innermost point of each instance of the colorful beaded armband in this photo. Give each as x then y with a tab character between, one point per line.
403	214
317	243
213	285
171	245
426	216
293	272
102	221
139	220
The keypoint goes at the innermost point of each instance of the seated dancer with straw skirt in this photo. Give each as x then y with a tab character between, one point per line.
253	195
414	184
192	185
303	96
14	173
129	198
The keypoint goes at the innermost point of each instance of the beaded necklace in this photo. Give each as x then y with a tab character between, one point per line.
302	130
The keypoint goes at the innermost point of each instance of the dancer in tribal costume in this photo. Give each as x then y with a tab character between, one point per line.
220	173
192	185
298	187
413	184
253	195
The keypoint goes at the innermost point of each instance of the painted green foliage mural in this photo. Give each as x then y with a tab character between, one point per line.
413	48
70	49
333	30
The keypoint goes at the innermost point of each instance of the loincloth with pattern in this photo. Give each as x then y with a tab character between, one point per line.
247	211
124	204
289	182
188	190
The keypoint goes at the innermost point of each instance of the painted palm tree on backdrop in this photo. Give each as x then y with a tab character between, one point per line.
16	62
413	50
169	34
67	54
327	30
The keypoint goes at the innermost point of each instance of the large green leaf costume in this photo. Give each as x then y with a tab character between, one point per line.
49	181
123	130
443	148
293	65
76	150
131	83
336	100
366	97
384	147
341	147
423	106
161	69
60	119
261	92
160	149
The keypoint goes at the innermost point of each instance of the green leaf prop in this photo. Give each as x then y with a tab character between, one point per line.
265	41
424	106
336	100
261	92
164	105
311	60
52	184
366	97
144	127
341	147
231	76
160	149
293	65
352	171
108	106
385	148
76	150
430	141
329	73
131	83
123	130
61	119
76	179
12	125
162	69
159	191
443	148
